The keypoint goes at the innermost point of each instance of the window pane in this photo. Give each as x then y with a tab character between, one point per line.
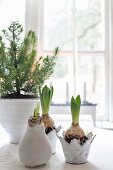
91	69
90	24
58	24
11	10
62	80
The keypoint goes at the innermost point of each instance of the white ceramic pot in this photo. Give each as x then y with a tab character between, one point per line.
14	114
75	153
34	148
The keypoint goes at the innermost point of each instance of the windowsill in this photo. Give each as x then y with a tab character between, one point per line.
68	104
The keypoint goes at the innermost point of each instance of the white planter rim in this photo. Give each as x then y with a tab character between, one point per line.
74	152
16	100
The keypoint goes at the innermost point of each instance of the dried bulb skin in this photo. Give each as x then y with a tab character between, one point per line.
33	121
75	131
48	121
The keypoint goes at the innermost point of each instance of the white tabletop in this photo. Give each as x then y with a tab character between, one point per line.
100	158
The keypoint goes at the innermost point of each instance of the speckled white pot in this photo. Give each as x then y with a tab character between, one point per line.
52	136
14	114
75	153
34	148
53	140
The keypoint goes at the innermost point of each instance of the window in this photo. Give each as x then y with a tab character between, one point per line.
11	11
78	27
91	25
58	24
91	50
67	23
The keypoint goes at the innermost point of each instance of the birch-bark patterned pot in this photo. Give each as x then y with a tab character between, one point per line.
74	152
34	148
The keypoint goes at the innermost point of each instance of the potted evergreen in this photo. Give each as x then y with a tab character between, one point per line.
21	74
34	148
46	95
75	143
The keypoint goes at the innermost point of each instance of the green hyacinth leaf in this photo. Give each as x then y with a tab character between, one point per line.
46	96
75	108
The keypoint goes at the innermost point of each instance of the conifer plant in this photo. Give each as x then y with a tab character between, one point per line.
21	70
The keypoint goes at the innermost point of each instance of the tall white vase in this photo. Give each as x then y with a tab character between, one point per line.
34	148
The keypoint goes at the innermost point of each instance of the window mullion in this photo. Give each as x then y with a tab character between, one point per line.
107	59
75	67
40	27
34	19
